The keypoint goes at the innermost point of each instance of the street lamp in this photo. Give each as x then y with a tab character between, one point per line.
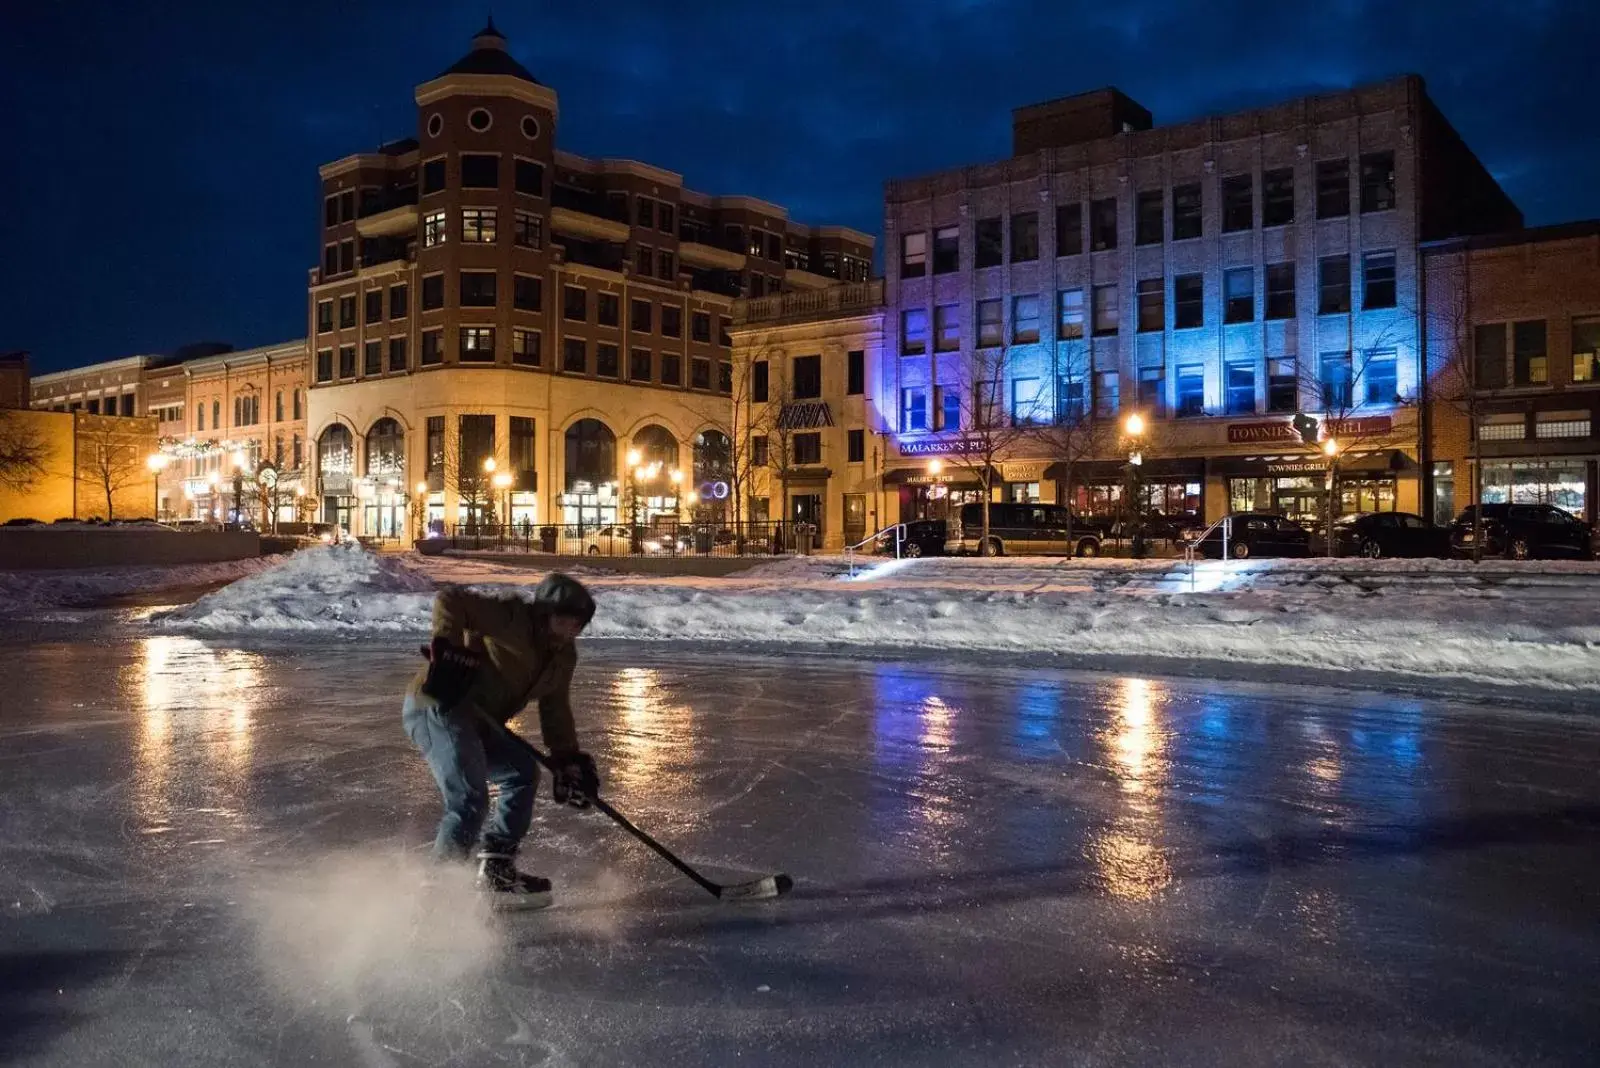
1133	428
502	483
935	468
157	462
1330	449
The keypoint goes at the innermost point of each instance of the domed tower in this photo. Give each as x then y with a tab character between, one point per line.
486	134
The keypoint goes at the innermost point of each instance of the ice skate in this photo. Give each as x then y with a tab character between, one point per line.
508	889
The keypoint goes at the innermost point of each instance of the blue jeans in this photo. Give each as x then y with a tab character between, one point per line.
466	753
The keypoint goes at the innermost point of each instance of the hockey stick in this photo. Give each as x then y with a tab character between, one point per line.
768	886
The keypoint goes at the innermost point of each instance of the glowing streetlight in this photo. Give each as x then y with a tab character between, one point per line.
1133	426
502	480
422	489
1330	448
158	461
215	478
239	460
677	477
935	467
634	457
489	465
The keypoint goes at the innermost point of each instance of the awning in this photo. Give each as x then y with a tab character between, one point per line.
1188	469
950	476
1292	465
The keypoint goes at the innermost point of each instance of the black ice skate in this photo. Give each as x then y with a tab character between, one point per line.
506	887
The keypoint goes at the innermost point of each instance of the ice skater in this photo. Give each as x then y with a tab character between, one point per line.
490	657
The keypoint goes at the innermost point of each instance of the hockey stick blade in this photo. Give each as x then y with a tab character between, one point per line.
763	889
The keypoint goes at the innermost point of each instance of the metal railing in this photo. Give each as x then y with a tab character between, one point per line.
1190	550
661	538
850	551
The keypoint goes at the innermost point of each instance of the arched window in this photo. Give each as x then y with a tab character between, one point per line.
386	457
656	445
335	454
591	454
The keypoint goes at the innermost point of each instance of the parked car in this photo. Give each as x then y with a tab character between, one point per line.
923	537
1379	534
1045	529
1257	534
600	541
1524	532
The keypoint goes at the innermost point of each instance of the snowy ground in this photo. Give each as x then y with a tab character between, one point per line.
207	857
1422	621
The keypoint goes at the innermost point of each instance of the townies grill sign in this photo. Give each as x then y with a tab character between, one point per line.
1271	433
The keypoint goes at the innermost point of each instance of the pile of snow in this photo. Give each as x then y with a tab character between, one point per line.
332	587
1260	613
28	591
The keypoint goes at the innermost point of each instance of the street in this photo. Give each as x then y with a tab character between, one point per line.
210	854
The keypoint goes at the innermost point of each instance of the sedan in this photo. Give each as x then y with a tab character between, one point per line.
1257	534
1524	532
1379	534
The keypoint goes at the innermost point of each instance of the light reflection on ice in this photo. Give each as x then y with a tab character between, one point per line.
1129	856
197	711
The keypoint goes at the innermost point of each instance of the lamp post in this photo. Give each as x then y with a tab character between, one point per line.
1133	429
422	510
489	466
156	462
502	483
1330	449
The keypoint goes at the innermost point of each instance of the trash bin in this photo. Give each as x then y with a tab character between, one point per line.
804	536
547	539
703	541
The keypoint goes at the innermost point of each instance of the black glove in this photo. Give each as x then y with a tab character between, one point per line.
451	670
574	780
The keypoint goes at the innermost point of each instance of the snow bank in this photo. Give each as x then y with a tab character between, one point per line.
27	591
1393	618
332	587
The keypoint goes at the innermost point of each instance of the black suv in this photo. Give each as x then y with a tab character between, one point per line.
1525	532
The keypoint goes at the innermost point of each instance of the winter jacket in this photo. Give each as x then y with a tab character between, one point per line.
521	662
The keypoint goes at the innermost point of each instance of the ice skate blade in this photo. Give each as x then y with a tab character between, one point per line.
520	902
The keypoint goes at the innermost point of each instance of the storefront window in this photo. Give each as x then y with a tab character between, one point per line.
1444	493
1022	492
1563	483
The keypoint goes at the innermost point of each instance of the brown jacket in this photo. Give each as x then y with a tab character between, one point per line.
521	661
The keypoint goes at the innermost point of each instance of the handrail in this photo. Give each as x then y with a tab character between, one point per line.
899	539
1226	523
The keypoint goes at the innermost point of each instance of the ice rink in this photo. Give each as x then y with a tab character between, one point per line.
211	854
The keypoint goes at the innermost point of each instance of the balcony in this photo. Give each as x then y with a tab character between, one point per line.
727	283
384	253
577	211
389	214
838	299
798	279
602	254
701	255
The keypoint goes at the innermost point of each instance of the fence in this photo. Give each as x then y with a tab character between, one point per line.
661	538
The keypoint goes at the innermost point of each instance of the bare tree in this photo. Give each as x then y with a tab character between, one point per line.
110	456
22	451
989	431
748	420
464	473
1453	380
1074	431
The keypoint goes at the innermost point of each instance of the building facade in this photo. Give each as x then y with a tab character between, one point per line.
1216	277
89	466
114	387
1514	362
224	419
808	441
485	296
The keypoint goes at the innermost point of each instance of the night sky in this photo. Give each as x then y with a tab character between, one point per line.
160	166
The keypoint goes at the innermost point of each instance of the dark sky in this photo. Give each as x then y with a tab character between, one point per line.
159	174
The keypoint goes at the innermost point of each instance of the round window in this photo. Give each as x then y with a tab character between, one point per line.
435	125
478	119
530	127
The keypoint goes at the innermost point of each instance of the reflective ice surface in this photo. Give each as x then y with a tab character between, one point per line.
994	865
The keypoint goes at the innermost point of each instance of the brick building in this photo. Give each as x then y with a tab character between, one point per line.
1514	346
113	387
483	295
1216	276
14	380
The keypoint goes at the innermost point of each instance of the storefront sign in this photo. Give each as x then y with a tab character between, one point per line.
1297	468
941	446
1023	472
805	415
1265	433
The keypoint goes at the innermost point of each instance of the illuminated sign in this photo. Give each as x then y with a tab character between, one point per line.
1276	431
941	446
